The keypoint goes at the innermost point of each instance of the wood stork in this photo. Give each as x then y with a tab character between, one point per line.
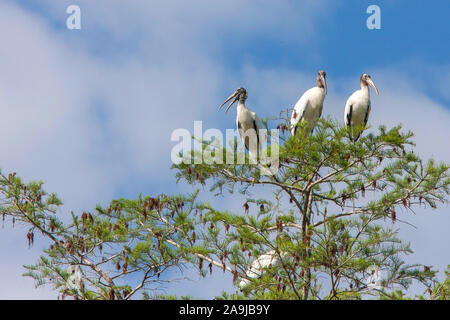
247	122
256	269
309	106
357	108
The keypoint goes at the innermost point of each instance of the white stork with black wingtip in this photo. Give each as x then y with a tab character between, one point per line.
357	108
247	122
309	107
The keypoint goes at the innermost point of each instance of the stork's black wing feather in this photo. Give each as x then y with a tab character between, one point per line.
349	116
366	117
256	130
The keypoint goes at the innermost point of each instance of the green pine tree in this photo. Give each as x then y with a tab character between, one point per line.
329	223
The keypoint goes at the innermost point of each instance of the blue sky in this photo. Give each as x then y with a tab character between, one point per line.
98	105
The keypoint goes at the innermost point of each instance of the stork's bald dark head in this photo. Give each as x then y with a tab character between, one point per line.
366	80
239	95
242	93
364	77
321	80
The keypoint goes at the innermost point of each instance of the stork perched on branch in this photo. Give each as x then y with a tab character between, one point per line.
357	108
257	268
309	107
247	122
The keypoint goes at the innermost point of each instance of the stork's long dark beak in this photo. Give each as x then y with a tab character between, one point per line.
235	95
229	106
370	83
324	83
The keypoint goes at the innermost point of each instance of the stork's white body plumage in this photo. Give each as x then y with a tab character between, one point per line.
248	120
309	107
357	108
256	269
